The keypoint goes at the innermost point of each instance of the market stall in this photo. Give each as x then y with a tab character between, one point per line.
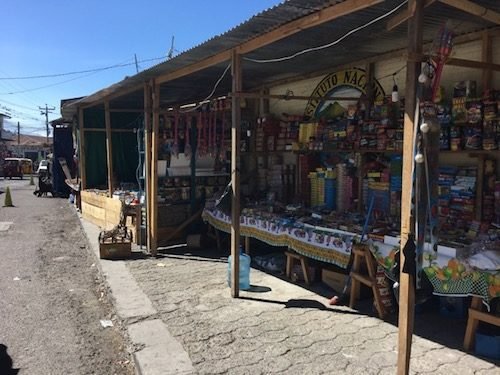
334	132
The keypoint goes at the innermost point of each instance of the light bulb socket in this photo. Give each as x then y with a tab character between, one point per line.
395	94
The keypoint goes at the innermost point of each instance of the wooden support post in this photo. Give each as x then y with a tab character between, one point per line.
109	147
487	57
480	186
154	168
147	161
192	163
82	155
235	173
406	281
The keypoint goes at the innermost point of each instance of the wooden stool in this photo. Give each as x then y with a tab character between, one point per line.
362	253
475	316
290	258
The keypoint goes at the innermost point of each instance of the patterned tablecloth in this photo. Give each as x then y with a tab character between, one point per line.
449	276
323	244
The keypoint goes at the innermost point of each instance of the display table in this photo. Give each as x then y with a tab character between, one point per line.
323	244
450	276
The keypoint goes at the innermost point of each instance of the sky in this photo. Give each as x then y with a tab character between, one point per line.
54	37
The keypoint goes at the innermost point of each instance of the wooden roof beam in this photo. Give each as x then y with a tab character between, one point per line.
474	9
404	15
317	18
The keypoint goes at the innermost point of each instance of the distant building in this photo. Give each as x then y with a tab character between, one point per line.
5	138
33	147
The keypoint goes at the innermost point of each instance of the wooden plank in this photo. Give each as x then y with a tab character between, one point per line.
406	282
154	168
487	57
112	130
235	173
109	147
147	161
101	96
82	155
404	15
126	110
256	95
474	9
317	18
473	64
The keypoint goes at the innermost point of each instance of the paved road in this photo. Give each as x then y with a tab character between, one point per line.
51	296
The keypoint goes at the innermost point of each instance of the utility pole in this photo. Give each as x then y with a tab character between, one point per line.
45	111
18	133
136	65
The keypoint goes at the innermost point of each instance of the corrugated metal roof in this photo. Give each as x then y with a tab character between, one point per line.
371	41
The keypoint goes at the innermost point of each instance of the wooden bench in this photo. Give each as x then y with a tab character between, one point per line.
290	259
476	316
363	254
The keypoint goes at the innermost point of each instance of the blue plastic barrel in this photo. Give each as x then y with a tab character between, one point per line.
244	271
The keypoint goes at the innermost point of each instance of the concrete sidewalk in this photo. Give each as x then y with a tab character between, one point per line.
181	319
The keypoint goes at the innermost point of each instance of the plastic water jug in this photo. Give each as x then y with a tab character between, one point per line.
244	270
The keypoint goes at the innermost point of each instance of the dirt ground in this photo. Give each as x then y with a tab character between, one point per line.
52	298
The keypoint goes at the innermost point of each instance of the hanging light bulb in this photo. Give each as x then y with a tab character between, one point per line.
395	93
424	127
423	78
419	158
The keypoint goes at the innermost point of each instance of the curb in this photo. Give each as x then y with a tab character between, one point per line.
160	352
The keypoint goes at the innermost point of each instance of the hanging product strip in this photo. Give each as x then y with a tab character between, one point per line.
199	125
187	142
175	146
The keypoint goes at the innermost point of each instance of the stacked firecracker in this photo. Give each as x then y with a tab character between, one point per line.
497	202
307	162
463	193
488	209
323	188
274	175
378	184
474	121
445	182
344	188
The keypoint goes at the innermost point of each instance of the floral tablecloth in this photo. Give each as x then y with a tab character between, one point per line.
323	244
449	276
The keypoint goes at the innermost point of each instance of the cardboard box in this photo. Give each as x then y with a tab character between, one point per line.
116	250
334	280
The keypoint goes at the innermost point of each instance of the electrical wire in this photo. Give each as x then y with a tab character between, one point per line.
47	86
15	86
211	93
313	49
20	105
121	65
392	74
